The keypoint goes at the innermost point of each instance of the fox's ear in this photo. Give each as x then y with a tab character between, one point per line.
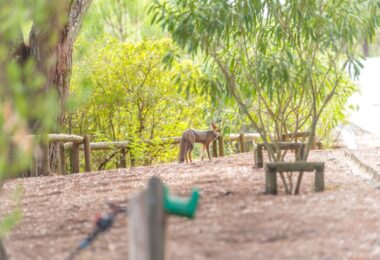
214	126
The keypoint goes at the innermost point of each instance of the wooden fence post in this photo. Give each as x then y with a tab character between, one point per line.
87	153
302	153
45	156
319	181
123	158
74	159
62	160
147	224
258	152
242	143
3	253
270	180
133	159
214	149
298	153
33	166
36	167
221	146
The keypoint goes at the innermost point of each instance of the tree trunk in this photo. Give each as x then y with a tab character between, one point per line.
54	57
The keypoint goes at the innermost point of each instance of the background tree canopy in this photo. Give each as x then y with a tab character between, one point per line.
281	61
131	95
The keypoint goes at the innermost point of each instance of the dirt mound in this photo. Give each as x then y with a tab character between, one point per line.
234	221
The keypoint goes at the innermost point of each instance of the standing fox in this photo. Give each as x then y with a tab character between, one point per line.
191	136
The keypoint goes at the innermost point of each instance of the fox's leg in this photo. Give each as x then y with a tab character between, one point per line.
185	149
208	151
190	150
188	147
203	152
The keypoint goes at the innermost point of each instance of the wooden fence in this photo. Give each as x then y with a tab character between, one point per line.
75	144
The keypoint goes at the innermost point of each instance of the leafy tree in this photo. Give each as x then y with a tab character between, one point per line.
132	96
127	19
281	61
26	104
50	46
371	48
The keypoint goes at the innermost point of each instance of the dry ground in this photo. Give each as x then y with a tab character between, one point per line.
235	219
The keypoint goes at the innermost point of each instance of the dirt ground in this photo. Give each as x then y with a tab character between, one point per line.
235	220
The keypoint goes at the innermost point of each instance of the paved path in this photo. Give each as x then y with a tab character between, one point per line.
364	130
362	136
368	116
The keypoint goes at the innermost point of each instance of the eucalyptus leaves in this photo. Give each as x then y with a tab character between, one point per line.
282	62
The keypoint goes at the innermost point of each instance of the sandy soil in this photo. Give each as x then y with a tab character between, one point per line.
235	219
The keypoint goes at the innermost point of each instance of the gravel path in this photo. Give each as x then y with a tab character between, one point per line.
234	221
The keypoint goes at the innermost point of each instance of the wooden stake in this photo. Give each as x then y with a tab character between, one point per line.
36	156
242	143
62	159
3	253
147	224
258	151
74	158
123	158
45	156
87	153
132	159
319	184
270	181
221	146
214	149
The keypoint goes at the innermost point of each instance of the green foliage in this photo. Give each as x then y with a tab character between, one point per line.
280	61
125	20
374	45
336	112
19	81
130	95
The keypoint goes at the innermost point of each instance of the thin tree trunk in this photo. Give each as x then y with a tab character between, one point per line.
54	58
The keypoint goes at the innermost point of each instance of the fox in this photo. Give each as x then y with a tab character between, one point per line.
191	136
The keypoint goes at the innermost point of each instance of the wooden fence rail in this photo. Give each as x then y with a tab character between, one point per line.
64	138
171	140
75	141
74	144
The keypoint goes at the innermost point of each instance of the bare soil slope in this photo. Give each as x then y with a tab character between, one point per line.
234	221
